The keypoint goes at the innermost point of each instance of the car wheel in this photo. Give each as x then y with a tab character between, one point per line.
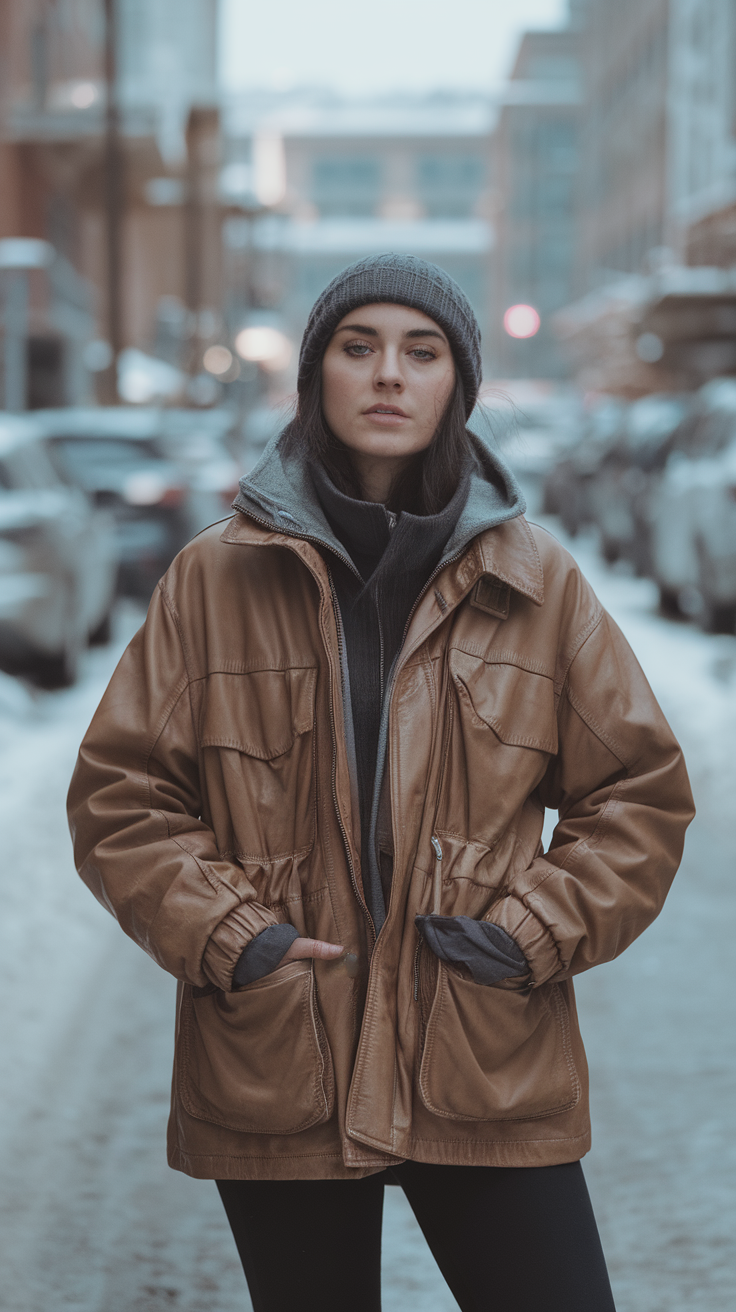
102	634
669	603
718	617
60	670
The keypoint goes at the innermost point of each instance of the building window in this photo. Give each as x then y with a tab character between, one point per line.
346	185
449	185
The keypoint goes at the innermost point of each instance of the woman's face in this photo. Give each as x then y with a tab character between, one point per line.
387	376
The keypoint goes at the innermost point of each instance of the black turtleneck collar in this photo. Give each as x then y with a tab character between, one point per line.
373	535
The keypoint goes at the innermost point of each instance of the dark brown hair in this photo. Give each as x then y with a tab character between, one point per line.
424	487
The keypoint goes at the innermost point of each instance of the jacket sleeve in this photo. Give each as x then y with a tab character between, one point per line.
135	817
621	789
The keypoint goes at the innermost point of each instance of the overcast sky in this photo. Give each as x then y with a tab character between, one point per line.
364	46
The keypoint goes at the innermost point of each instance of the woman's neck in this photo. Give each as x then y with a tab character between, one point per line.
377	474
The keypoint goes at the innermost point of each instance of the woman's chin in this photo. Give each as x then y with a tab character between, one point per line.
384	443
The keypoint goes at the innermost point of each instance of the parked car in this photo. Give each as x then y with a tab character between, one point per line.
619	493
567	490
116	456
260	425
533	426
693	513
200	443
58	561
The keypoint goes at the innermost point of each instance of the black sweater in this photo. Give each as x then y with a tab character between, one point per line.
395	556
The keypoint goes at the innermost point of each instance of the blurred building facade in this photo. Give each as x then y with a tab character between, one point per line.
656	197
52	148
536	155
610	154
344	180
658	143
623	191
702	152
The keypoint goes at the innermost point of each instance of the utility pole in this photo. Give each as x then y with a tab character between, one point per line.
202	238
114	201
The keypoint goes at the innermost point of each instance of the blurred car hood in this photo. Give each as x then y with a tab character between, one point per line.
24	509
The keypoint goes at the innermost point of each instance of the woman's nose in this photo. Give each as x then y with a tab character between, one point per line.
388	372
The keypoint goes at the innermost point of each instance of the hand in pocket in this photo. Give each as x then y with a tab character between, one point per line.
303	948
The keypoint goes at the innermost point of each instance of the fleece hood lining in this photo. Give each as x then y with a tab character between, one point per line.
281	491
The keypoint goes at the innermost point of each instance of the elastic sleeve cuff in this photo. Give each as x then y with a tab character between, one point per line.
264	954
227	940
485	951
530	935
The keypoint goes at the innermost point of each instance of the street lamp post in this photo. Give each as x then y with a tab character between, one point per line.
114	190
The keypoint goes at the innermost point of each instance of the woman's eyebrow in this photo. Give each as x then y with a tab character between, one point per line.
373	332
425	332
357	328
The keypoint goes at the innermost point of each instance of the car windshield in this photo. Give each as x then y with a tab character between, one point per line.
118	453
653	418
706	435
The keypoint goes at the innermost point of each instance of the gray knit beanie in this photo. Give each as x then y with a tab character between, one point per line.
400	280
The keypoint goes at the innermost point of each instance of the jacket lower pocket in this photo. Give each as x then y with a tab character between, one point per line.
493	1054
257	1060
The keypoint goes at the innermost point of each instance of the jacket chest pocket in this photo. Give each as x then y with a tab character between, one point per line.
502	733
258	744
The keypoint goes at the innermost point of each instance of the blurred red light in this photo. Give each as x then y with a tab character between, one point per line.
521	321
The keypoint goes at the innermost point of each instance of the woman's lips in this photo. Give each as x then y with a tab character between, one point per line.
388	418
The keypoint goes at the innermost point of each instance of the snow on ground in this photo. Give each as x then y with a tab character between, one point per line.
53	935
658	1022
91	1218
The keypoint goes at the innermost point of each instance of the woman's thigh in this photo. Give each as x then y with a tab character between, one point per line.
511	1237
308	1244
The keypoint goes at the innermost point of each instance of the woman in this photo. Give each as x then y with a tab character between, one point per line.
314	792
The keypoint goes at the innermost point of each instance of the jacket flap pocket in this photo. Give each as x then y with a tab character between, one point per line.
259	713
517	704
514	1050
257	1061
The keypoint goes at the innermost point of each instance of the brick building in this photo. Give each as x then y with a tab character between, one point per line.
52	147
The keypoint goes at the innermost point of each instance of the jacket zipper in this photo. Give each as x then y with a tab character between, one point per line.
437	880
436	905
437	849
304	537
361	902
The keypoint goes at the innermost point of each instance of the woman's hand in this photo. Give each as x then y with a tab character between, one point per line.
316	947
312	947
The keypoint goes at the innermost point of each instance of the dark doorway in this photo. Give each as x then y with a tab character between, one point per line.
45	372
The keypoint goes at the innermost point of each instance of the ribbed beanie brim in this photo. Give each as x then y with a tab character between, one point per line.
399	280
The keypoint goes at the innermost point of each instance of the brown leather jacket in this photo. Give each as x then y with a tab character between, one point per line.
212	798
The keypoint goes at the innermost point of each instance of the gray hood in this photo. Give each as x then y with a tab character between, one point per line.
279	491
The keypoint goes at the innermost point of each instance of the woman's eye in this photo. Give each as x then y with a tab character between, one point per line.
358	349
421	353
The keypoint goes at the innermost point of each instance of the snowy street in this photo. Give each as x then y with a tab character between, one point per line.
92	1218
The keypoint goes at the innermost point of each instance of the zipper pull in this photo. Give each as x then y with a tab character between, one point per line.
437	880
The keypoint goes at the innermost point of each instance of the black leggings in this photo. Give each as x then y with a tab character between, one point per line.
521	1238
